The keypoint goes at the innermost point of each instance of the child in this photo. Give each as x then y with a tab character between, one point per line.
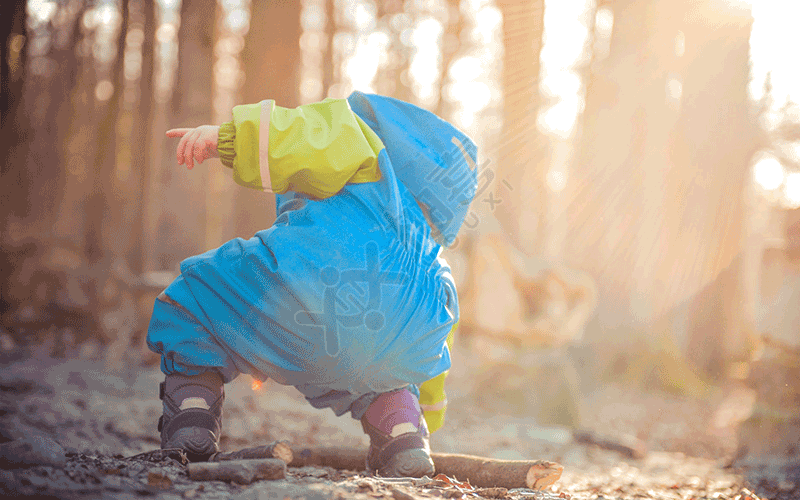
345	297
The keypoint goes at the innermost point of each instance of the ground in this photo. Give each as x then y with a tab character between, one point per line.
73	427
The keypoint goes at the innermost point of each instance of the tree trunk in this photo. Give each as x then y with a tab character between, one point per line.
78	147
140	139
180	230
14	123
36	268
387	79
328	60
656	206
399	70
32	168
720	141
51	95
521	147
272	53
140	179
103	207
271	58
453	42
12	58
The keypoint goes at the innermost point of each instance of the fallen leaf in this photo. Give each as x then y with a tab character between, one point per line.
454	482
159	480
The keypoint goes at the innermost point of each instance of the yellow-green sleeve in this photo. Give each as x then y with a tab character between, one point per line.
314	149
432	396
227	131
246	163
318	148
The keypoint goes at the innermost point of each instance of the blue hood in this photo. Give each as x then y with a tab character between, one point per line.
434	160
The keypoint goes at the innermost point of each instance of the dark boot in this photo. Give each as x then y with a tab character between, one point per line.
398	436
192	418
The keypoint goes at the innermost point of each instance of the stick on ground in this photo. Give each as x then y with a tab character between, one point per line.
278	449
480	471
238	471
489	472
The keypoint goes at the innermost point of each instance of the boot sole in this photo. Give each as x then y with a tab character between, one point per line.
409	463
198	443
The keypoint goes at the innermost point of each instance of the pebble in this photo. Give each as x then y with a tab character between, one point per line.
105	473
492	492
400	495
8	484
268	490
30	451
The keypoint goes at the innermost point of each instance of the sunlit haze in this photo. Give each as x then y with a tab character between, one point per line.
768	173
575	32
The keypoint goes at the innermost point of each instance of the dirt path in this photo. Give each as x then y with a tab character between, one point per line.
68	429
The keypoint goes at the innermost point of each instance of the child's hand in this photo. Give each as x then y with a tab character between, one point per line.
197	144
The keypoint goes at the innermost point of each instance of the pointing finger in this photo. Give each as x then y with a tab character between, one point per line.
177	132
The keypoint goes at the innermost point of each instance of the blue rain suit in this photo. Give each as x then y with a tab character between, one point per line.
346	296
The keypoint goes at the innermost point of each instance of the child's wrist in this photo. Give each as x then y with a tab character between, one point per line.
225	135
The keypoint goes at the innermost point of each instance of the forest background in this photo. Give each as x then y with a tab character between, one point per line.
639	183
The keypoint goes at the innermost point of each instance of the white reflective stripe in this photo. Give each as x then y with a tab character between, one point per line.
263	144
194	403
435	407
403	429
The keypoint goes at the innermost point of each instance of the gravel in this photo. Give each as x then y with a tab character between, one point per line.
76	429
